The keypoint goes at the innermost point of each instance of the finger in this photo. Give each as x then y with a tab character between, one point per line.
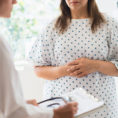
74	104
81	75
36	67
76	73
75	109
35	103
73	68
73	63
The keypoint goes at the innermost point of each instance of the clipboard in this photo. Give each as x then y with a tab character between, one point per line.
90	112
88	104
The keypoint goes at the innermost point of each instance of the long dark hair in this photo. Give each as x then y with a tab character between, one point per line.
65	18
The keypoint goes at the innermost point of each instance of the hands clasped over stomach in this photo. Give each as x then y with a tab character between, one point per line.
80	67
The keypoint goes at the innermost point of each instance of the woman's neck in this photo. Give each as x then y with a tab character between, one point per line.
79	14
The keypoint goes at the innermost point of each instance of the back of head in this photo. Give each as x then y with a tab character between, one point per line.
6	7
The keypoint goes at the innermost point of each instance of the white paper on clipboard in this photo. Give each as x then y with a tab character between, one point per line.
87	103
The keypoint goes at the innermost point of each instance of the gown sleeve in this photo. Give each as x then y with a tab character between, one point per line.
113	43
42	49
12	103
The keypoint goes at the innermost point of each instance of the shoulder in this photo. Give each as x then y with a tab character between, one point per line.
111	21
48	31
50	26
46	34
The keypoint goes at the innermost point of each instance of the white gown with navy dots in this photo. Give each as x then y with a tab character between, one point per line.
78	41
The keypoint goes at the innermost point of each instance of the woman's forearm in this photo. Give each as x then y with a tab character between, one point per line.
106	67
50	72
55	72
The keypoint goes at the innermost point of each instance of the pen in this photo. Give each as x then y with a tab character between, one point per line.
50	99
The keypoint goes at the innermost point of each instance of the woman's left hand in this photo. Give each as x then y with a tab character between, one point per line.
81	67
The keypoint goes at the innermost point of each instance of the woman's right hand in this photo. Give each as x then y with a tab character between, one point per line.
66	111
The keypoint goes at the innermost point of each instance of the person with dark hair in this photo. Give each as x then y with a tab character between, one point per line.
79	49
12	103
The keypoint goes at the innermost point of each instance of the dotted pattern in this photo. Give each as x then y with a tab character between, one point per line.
78	41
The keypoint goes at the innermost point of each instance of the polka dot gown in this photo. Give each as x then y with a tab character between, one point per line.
78	41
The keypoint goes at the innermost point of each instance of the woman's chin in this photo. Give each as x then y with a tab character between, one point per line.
7	16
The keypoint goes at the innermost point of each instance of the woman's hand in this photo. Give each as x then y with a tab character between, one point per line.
32	102
81	67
